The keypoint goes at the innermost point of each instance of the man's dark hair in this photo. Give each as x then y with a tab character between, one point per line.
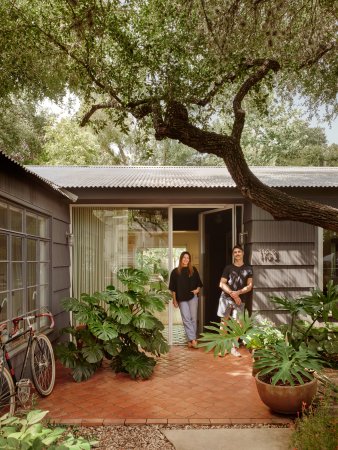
237	246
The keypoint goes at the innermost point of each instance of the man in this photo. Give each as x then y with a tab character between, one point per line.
236	282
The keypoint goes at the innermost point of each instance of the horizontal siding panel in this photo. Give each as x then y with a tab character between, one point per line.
283	254
61	255
61	279
277	317
283	277
261	298
60	229
285	231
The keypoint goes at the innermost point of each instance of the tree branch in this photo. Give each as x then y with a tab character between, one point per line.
322	50
249	83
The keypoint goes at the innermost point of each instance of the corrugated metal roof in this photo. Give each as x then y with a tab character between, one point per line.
181	177
49	182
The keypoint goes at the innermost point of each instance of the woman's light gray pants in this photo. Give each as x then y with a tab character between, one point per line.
189	311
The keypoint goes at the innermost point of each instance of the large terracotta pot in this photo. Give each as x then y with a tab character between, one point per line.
286	399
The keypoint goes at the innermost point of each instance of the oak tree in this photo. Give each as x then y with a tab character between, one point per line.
175	65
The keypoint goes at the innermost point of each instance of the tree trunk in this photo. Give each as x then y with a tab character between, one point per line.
280	205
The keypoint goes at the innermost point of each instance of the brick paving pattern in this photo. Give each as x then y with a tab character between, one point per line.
187	386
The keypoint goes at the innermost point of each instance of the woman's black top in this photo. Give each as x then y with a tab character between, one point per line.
183	284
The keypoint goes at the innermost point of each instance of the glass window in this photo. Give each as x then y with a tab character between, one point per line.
3	215
24	260
330	257
17	303
15	219
3	276
32	254
17	248
17	275
44	251
31	224
44	273
32	296
108	239
3	247
42	226
3	305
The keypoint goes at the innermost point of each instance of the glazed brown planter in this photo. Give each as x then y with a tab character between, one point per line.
286	399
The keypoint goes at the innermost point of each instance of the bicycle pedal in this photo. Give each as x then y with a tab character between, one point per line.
24	390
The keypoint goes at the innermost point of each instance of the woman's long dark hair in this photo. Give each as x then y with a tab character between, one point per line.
180	265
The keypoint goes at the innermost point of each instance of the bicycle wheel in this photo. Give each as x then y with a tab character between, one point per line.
43	364
7	393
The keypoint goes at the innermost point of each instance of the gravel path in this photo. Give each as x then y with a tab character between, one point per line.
144	437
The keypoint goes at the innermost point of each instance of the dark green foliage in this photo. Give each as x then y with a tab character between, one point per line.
224	336
319	333
119	325
286	365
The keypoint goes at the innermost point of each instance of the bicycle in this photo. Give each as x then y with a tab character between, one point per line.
41	353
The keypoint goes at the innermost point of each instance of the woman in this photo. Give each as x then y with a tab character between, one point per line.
185	285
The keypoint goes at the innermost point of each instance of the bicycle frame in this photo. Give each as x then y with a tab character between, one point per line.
16	334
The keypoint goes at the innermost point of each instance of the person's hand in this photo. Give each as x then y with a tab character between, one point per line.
175	303
195	291
234	295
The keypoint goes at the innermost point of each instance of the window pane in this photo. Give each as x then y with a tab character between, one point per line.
330	257
17	303
17	271
3	303
15	219
42	226
3	247
32	250
44	296
32	274
3	215
31	224
3	276
44	251
17	248
32	298
44	273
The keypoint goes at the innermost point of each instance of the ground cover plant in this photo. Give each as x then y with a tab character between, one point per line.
28	432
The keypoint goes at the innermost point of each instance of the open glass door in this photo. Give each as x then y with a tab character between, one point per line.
219	231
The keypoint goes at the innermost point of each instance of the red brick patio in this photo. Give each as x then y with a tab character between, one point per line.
188	386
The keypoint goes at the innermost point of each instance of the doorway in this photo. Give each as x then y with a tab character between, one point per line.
208	234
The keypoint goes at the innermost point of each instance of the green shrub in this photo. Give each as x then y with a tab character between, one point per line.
120	326
27	433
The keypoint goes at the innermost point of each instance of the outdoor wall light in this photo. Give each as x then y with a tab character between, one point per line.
69	238
243	237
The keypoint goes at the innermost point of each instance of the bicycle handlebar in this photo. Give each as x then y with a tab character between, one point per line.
17	320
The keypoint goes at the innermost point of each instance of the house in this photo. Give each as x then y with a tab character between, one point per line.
103	218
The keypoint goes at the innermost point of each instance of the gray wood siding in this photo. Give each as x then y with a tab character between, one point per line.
26	190
283	256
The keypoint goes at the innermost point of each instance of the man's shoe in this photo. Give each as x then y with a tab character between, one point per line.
234	352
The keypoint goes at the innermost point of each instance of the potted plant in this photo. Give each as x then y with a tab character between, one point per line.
285	380
285	367
120	325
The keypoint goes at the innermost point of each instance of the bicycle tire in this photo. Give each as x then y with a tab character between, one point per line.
7	393
43	365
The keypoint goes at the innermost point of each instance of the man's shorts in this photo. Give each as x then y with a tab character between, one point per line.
227	307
